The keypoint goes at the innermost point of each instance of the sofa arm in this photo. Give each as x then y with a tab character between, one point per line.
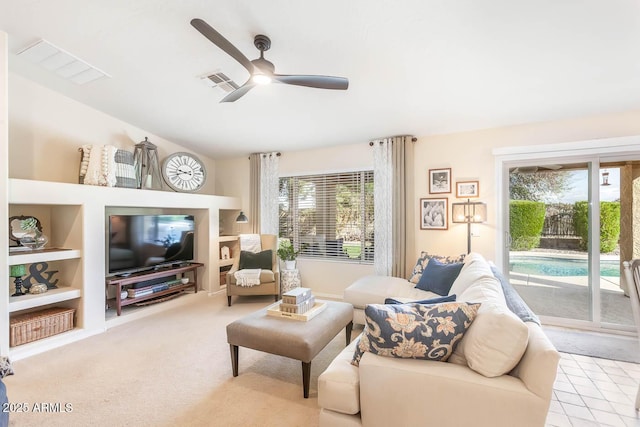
539	364
417	392
339	384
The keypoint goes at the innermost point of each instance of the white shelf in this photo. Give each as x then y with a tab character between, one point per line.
50	297
228	238
225	262
45	255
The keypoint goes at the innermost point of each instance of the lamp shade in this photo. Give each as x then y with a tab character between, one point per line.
242	218
469	212
17	270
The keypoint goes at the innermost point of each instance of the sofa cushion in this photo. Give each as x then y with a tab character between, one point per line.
250	260
414	331
422	262
475	268
448	298
374	290
438	277
497	339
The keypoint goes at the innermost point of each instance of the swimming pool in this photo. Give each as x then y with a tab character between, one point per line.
549	266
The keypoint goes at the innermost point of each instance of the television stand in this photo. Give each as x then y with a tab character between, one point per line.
122	282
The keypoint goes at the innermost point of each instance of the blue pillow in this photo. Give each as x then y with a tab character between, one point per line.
438	277
449	298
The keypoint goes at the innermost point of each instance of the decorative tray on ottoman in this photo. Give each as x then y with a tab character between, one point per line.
318	307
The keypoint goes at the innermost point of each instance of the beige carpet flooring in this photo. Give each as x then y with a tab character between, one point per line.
169	369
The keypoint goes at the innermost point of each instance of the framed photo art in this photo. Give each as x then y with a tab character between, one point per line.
439	181
467	189
433	214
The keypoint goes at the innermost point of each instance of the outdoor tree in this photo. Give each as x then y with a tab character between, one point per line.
537	186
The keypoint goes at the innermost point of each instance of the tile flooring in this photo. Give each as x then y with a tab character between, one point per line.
594	392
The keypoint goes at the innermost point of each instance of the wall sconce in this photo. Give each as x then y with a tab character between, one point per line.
242	218
605	178
469	212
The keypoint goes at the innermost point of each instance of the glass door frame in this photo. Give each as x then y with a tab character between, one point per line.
591	152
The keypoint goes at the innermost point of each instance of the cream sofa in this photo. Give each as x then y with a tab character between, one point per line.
501	373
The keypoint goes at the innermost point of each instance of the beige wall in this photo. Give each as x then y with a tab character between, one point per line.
46	129
468	154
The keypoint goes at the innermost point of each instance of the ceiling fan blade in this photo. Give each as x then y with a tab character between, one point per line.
239	93
224	44
320	82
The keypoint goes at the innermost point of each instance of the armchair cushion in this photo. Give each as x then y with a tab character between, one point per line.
250	260
414	331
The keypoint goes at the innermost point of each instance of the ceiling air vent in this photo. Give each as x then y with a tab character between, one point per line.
61	62
222	81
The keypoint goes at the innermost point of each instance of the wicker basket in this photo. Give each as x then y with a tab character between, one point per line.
40	324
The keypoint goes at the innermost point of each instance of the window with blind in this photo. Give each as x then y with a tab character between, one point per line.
329	216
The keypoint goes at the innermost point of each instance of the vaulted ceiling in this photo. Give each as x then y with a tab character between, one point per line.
414	66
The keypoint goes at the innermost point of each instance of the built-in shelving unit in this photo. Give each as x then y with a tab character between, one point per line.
74	217
63	259
224	265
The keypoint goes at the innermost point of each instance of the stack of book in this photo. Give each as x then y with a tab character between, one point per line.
298	300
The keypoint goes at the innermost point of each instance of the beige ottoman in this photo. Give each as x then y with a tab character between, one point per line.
290	338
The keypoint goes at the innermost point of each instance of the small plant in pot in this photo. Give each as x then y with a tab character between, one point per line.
287	253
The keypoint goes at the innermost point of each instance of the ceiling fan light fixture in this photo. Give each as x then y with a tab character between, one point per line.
261	79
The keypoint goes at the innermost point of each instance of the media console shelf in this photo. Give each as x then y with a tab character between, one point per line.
120	282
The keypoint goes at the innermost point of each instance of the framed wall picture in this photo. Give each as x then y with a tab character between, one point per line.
439	181
467	189
433	214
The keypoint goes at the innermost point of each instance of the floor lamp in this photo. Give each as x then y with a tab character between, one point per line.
469	212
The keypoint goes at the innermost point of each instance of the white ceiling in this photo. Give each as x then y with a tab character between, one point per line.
416	67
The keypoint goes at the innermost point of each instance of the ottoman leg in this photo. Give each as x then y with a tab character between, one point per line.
234	359
306	377
348	330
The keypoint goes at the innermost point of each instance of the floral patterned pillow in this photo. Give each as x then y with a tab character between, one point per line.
422	262
5	367
414	331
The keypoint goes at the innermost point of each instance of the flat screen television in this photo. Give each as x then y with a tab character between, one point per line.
144	242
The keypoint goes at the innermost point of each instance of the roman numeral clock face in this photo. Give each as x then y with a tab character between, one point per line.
184	172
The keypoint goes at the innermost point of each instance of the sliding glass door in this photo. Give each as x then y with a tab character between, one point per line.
564	254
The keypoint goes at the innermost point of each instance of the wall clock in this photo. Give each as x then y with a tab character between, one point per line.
184	172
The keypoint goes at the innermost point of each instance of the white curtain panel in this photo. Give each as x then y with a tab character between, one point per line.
269	193
383	200
254	192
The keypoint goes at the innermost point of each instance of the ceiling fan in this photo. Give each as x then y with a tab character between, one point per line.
262	71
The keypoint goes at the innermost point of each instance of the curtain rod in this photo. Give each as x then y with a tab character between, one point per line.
413	139
265	154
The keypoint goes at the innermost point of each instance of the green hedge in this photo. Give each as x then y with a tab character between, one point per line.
609	224
526	219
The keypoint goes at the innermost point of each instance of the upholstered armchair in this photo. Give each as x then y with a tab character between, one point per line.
269	279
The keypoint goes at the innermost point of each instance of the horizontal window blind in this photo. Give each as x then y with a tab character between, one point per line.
329	216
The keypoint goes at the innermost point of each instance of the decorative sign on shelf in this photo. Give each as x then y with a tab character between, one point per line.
225	252
38	274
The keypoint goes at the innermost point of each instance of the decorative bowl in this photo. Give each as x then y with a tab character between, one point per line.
38	288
